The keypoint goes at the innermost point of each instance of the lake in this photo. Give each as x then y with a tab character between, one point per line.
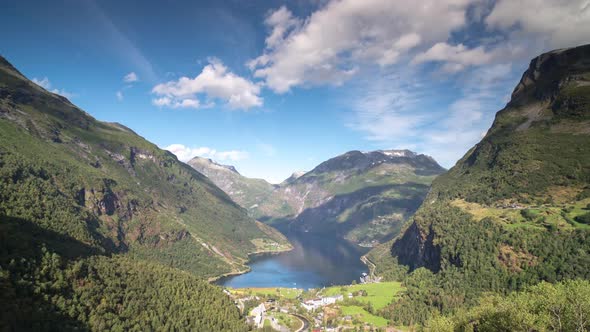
314	262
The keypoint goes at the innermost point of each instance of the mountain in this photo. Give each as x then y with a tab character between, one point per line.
515	209
247	192
363	196
85	201
296	175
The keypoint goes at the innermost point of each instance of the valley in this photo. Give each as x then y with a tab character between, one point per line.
102	229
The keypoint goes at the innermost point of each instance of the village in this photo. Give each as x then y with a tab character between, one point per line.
338	308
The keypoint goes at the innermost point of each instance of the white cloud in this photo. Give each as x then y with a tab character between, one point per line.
130	78
329	46
342	37
119	95
185	153
555	23
176	103
215	82
457	57
46	84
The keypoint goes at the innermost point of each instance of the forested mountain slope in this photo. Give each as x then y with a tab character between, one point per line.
107	191
515	209
362	196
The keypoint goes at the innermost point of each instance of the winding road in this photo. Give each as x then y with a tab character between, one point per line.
305	325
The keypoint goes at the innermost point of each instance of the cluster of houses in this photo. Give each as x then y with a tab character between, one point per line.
310	305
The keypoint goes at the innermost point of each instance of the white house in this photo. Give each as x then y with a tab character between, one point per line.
332	299
258	314
316	303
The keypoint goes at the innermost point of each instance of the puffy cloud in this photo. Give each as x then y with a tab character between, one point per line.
119	95
215	82
176	103
130	78
46	84
555	23
185	153
457	57
336	41
330	45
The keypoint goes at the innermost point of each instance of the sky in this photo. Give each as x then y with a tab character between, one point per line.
274	87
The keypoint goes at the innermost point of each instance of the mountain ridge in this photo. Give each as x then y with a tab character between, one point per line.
356	183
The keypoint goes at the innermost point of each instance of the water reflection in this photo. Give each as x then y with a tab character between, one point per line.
315	261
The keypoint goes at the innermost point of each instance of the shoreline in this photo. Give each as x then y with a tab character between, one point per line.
372	267
251	255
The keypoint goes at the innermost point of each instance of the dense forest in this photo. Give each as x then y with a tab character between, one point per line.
51	282
564	306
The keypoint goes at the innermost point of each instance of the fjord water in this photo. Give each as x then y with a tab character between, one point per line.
314	262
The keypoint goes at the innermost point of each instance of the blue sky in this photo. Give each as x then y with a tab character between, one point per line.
274	87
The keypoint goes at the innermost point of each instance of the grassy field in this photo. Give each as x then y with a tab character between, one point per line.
288	320
288	293
363	315
379	294
559	215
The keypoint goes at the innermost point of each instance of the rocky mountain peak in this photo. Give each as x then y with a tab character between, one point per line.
296	175
550	71
211	164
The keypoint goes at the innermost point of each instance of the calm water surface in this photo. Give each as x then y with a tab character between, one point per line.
314	262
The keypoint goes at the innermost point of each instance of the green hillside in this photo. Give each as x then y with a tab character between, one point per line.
65	175
512	212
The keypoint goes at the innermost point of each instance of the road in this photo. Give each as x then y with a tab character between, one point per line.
305	325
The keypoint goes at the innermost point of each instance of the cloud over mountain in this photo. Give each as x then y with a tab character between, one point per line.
185	153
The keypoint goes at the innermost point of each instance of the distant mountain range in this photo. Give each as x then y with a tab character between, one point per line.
363	196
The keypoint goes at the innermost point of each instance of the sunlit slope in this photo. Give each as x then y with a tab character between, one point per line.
109	188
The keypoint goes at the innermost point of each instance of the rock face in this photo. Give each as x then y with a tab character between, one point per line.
102	184
517	190
363	196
